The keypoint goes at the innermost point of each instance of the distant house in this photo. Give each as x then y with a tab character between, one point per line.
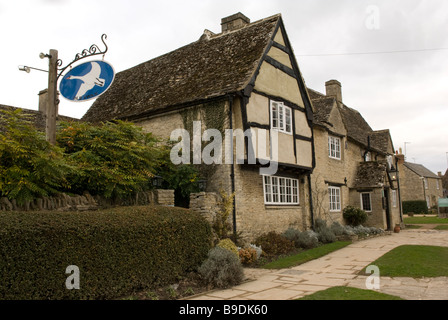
245	77
354	163
419	183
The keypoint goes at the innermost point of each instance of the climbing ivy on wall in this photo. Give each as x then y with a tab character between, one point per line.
212	115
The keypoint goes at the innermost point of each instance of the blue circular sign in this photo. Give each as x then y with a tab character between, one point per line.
87	81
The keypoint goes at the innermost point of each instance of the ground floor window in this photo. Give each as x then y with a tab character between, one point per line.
280	190
366	203
335	198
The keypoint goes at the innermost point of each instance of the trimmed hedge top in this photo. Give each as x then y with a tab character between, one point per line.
118	251
415	206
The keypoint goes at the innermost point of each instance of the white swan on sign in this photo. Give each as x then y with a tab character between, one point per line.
89	80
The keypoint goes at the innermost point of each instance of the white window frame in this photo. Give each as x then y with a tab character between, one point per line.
280	190
334	147
394	198
425	181
362	201
368	157
437	184
281	117
334	198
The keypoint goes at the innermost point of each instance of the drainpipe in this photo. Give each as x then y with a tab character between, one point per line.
399	191
311	201
232	174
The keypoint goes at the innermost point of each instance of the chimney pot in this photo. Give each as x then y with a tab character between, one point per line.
400	157
234	22
333	89
43	94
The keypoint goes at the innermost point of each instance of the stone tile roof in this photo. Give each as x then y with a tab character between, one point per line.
380	139
357	127
421	170
370	174
322	109
36	117
213	66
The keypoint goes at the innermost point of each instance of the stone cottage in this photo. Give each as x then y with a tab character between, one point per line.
355	165
419	183
243	81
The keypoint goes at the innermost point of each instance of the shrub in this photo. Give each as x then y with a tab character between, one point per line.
307	240
222	268
221	225
114	159
247	255
118	251
338	229
361	230
324	233
354	216
415	206
30	167
274	243
228	245
292	235
257	249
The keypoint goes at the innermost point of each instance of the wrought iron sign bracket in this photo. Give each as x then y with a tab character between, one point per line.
92	51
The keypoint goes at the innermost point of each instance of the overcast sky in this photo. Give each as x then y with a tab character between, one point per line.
406	91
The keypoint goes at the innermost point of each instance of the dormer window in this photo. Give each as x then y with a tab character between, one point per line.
281	117
334	147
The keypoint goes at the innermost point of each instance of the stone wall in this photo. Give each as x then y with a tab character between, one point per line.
254	217
205	203
64	202
410	184
164	197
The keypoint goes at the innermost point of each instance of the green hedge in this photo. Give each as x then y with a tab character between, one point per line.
415	206
118	251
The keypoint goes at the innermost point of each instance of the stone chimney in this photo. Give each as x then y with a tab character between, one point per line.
234	22
400	157
43	101
333	89
439	173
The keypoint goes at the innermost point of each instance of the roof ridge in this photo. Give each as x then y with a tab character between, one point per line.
200	70
252	24
413	167
381	130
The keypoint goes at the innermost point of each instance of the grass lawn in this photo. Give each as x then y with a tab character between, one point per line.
414	261
348	293
425	220
413	226
305	256
442	227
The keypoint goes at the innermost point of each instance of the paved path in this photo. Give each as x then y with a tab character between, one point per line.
340	268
